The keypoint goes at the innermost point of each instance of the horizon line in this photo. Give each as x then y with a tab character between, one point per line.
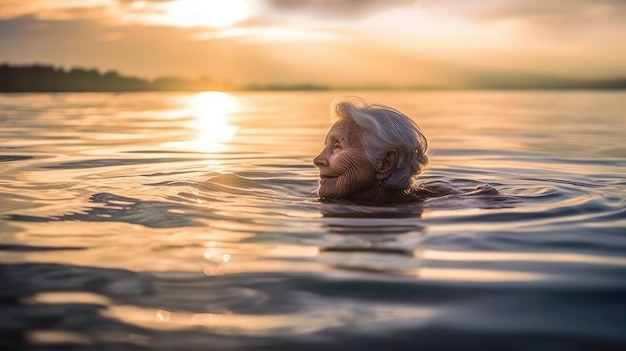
25	78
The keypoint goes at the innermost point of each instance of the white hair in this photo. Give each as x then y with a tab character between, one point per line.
386	129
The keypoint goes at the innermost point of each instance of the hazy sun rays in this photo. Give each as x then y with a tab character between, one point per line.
202	13
211	111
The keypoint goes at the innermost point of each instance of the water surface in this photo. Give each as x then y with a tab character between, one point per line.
173	221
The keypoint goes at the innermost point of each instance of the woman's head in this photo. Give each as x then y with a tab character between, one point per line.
369	146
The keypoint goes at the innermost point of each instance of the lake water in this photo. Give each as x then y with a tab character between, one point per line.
168	221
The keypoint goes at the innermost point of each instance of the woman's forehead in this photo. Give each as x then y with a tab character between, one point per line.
345	129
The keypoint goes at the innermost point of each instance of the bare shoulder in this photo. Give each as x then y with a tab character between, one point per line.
435	188
483	189
440	188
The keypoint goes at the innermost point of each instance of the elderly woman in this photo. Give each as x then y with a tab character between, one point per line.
372	154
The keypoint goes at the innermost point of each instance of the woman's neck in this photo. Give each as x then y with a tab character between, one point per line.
381	194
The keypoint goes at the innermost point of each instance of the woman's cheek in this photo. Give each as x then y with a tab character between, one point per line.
348	169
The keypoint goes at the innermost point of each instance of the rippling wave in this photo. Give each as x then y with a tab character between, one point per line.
132	221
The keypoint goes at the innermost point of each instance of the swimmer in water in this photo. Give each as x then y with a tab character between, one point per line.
373	154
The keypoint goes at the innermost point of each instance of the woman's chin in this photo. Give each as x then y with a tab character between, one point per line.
327	193
323	194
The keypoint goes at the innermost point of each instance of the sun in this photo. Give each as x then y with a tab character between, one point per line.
207	13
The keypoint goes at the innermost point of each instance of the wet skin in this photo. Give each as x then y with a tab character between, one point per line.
344	169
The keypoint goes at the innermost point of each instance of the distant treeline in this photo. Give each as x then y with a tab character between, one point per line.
46	78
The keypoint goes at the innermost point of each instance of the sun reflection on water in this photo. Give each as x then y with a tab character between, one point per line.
211	111
217	259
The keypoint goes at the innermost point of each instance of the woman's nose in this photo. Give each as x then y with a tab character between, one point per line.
320	160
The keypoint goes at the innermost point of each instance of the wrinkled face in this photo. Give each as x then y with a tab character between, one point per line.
343	165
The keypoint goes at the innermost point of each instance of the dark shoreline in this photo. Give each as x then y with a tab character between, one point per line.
38	78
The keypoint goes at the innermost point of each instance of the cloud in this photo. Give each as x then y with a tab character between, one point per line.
431	42
336	8
560	11
529	10
128	2
76	9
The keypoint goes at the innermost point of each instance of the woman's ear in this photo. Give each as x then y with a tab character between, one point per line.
387	165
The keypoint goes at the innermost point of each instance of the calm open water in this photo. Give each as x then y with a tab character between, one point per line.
166	221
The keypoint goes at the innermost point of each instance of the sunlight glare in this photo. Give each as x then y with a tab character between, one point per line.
272	34
208	13
211	110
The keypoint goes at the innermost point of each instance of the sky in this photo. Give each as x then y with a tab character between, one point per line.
326	42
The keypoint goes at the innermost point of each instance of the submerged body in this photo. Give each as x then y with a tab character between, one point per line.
373	153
